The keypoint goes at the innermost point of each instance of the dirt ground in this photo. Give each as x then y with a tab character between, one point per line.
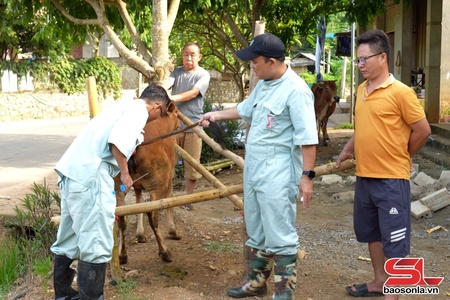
208	259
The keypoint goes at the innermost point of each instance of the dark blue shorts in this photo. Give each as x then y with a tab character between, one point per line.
382	212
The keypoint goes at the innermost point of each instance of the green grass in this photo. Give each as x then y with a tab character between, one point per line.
345	126
10	260
42	268
222	247
125	290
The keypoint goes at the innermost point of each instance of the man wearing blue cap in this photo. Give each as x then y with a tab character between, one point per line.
279	163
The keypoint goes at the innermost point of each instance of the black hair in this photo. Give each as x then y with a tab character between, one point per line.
154	93
377	40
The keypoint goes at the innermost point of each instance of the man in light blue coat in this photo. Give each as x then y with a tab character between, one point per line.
279	163
88	201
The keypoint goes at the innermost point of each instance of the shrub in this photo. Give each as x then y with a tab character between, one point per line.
107	76
225	133
36	215
35	232
20	68
27	250
310	77
69	75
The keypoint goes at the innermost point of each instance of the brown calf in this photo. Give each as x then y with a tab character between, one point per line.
325	100
158	160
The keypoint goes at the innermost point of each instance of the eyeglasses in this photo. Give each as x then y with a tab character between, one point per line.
363	60
191	55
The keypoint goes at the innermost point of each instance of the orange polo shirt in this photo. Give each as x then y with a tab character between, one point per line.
382	129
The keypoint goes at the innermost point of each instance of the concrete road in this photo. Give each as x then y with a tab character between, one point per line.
29	151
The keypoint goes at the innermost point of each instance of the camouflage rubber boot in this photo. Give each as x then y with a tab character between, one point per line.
261	264
285	276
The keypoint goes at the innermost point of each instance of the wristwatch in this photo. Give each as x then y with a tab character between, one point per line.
311	174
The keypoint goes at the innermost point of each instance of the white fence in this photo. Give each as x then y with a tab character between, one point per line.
11	84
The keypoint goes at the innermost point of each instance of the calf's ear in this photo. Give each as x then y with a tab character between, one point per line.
171	106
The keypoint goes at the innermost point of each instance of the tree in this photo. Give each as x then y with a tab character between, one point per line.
226	25
18	33
80	18
223	25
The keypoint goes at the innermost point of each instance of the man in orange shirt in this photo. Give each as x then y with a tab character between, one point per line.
390	127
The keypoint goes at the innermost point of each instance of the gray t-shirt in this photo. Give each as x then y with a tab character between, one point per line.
182	81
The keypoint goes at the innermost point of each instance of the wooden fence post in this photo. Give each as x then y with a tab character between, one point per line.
91	87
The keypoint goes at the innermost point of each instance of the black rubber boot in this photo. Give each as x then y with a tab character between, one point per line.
91	279
285	276
261	264
62	279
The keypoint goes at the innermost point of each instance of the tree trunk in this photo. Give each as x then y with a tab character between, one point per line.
160	41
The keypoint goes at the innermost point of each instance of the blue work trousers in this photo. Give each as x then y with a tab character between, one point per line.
87	218
270	193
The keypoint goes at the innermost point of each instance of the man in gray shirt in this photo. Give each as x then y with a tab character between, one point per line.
188	84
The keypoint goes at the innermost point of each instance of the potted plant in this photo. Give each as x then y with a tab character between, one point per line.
445	112
418	90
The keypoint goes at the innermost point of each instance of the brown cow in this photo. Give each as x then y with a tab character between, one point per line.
325	100
158	160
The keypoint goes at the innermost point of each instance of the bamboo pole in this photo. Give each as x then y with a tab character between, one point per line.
166	135
177	201
115	263
55	220
207	175
215	146
320	170
219	166
220	161
91	88
331	167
